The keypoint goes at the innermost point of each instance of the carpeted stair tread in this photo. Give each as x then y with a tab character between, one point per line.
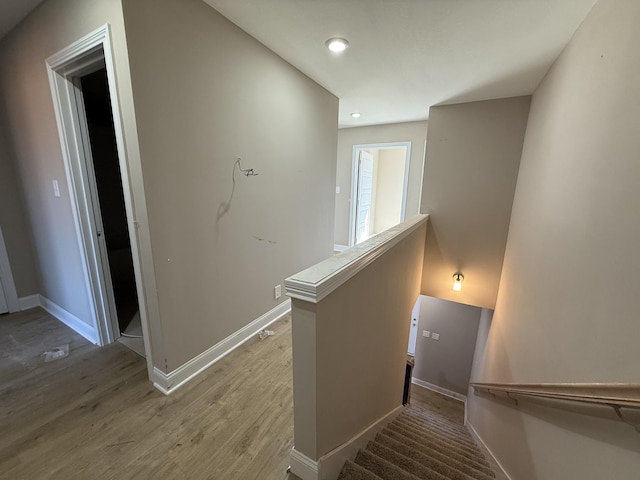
404	462
436	424
420	444
440	422
353	471
459	439
437	419
441	453
381	467
434	417
426	409
432	413
462	472
465	443
434	439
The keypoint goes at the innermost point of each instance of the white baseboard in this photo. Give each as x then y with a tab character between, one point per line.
69	319
339	248
302	466
486	449
437	389
329	465
169	382
30	301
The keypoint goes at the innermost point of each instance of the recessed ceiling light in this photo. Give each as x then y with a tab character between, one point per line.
355	115
337	45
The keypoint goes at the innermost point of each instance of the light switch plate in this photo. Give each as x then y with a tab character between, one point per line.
435	336
426	333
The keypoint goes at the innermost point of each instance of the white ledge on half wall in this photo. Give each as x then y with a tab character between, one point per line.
318	281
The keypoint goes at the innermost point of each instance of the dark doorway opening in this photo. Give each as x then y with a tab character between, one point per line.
106	166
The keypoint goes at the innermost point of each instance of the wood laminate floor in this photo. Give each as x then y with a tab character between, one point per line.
94	414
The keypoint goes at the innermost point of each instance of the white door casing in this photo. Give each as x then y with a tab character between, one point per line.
84	56
364	197
355	178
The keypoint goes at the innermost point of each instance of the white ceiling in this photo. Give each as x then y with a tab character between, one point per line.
406	55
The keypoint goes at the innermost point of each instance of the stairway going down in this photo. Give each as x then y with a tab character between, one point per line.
419	444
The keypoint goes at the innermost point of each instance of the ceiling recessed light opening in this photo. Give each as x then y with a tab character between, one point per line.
337	45
355	115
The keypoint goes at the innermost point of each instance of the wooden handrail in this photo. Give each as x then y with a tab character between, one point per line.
621	394
613	395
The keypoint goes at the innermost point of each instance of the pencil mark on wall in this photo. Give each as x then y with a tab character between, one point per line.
260	239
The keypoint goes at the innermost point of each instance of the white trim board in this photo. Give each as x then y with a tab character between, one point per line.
339	248
167	383
318	281
329	465
69	319
486	449
438	389
30	301
354	180
302	466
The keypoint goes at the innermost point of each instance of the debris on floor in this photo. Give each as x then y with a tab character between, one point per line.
265	333
57	353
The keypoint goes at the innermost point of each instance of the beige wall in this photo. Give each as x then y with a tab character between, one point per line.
13	221
457	325
34	142
568	304
350	350
473	153
414	132
205	94
389	188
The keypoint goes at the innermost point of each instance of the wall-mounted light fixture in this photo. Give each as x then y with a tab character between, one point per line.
458	278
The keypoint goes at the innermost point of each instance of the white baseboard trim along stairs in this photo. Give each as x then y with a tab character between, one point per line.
419	444
329	465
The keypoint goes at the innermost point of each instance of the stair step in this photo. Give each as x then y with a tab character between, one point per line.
441	423
460	471
434	439
466	443
442	453
434	417
353	471
381	467
404	462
